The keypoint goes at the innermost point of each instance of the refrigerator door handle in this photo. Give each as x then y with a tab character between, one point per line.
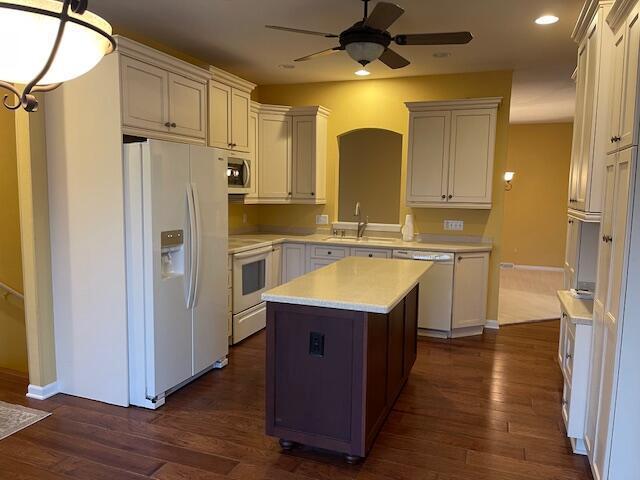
198	239
192	247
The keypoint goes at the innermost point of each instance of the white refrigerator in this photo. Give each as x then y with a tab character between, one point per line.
176	252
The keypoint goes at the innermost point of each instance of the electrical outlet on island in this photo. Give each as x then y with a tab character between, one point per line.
456	225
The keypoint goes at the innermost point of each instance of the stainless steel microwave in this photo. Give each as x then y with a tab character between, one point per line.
239	175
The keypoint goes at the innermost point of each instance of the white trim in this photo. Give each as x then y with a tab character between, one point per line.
492	325
314	110
147	54
586	217
538	268
11	291
584	19
42	393
373	227
462	104
619	13
231	80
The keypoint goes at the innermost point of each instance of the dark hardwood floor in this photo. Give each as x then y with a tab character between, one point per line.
485	408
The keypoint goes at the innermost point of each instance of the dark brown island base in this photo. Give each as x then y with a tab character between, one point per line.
333	374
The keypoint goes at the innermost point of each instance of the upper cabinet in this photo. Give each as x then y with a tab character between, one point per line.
162	97
451	153
229	111
291	153
591	139
624	82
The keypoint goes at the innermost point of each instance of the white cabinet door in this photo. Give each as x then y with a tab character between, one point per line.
576	150
304	157
628	131
470	289
240	110
617	81
293	261
471	156
274	139
219	115
588	124
145	96
428	166
572	253
276	266
187	106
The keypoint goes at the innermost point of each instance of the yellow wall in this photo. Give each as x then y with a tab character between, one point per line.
237	222
13	343
380	104
535	215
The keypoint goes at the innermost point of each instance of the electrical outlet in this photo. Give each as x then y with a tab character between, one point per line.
316	344
457	225
322	219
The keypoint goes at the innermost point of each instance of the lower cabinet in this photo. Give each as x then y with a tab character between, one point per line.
293	261
470	275
574	355
276	266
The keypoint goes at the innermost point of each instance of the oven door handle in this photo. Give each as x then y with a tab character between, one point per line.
247	169
253	253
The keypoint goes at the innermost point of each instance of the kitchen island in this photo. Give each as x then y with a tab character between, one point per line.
341	342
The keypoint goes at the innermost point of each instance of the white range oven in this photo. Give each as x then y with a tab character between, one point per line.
251	278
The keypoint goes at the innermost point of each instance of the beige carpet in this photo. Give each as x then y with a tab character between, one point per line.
14	418
528	295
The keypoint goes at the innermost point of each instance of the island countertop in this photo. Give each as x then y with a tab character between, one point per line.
374	285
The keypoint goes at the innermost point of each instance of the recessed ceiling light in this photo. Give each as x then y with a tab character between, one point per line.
287	66
547	20
363	72
442	54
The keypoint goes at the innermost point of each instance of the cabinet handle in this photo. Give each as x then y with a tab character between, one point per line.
569	355
570	222
617	139
613	139
609	238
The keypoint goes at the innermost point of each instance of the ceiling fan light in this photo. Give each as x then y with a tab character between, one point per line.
29	38
363	72
365	52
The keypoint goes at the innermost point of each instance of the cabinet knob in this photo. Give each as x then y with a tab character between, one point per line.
167	124
173	125
444	196
290	194
329	253
568	355
450	197
371	255
313	194
613	139
459	259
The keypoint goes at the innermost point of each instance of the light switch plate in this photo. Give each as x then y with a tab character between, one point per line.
322	219
457	225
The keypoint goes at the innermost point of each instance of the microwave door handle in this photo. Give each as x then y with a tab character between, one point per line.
192	246
198	248
247	181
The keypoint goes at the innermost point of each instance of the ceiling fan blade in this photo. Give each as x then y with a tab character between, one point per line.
383	16
393	60
306	32
319	54
449	38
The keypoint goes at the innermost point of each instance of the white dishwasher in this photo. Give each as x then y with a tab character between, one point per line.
436	290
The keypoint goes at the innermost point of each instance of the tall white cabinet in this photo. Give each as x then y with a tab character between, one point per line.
451	153
612	419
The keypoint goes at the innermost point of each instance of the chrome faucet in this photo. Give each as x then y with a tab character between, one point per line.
362	226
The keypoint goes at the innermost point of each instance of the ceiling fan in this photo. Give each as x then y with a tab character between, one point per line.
369	39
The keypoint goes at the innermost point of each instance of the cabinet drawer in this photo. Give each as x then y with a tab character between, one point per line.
329	252
370	252
316	263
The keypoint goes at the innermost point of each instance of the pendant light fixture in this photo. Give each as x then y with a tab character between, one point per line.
47	43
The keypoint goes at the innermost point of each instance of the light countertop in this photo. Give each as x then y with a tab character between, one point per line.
361	284
579	311
246	242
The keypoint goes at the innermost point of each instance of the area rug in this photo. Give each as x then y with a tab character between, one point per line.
14	418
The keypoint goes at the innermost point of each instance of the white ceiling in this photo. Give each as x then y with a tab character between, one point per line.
230	34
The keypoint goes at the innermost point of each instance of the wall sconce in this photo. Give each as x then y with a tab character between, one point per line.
508	178
48	42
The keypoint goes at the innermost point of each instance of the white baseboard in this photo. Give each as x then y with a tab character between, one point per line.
42	393
492	325
506	265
